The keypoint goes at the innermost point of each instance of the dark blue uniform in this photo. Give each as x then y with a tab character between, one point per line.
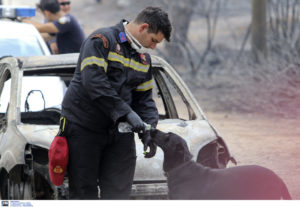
110	80
70	35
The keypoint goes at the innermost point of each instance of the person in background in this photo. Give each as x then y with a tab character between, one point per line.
65	6
112	83
69	34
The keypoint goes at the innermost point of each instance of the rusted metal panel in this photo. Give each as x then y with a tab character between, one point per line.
39	135
153	189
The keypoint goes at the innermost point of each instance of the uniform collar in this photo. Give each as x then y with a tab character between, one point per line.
121	37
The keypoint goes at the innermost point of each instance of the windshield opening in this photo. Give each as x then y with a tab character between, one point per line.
38	93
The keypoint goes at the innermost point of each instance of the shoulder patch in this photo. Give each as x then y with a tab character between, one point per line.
122	37
103	38
64	20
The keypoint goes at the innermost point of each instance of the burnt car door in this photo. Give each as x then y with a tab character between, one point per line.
176	102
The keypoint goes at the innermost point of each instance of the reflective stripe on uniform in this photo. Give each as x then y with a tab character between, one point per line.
112	56
145	86
62	122
94	60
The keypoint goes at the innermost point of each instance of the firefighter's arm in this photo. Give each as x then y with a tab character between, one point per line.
144	105
95	81
143	102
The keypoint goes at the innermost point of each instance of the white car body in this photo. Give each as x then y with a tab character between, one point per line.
21	39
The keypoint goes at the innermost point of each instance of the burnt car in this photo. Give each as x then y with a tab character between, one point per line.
31	92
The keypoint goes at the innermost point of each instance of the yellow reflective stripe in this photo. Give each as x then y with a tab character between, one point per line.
112	56
94	60
64	123
145	86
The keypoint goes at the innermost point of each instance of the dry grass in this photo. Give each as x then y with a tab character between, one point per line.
271	87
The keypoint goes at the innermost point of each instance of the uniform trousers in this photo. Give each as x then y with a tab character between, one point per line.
104	158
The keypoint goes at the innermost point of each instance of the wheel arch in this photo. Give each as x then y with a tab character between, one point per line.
214	154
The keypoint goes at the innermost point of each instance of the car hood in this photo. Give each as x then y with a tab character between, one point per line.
197	133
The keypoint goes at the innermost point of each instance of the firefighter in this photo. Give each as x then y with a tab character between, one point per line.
112	83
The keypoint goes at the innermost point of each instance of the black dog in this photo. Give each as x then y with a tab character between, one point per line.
190	180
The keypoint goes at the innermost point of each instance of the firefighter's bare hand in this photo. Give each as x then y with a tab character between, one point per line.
135	121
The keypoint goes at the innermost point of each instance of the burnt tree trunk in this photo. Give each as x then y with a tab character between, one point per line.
259	29
180	14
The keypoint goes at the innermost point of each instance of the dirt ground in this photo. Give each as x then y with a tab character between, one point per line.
268	141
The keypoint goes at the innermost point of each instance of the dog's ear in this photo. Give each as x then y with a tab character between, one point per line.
152	132
183	153
179	149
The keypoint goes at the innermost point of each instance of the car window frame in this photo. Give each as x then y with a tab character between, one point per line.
10	70
166	96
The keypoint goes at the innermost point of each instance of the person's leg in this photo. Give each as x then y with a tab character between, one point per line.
85	149
117	167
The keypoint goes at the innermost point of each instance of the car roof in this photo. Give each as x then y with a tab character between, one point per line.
9	27
61	61
49	62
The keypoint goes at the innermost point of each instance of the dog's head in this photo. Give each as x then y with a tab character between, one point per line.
175	149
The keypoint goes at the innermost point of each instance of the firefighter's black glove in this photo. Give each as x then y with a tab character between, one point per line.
146	139
135	121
